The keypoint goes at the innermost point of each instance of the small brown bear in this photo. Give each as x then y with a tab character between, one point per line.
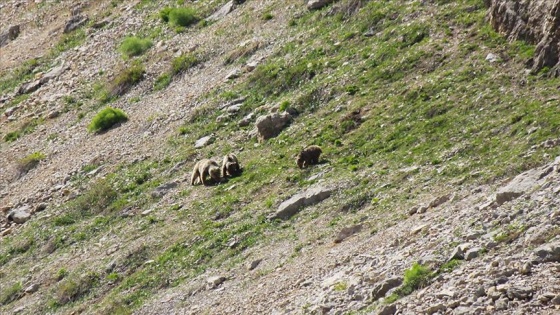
204	168
308	156
230	165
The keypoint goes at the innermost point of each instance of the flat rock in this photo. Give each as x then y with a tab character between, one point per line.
203	141
311	196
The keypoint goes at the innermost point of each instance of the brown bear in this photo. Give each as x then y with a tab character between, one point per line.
230	165
204	168
308	156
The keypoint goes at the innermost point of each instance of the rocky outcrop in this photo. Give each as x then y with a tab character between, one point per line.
269	126
536	22
11	34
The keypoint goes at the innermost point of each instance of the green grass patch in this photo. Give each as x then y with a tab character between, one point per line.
133	46
179	17
106	118
183	63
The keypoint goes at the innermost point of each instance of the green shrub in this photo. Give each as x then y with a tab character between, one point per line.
124	81
183	63
162	82
134	46
164	14
29	162
182	17
416	277
107	118
12	136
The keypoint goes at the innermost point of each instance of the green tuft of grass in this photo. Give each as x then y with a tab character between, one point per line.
133	46
106	118
183	62
417	277
162	82
178	17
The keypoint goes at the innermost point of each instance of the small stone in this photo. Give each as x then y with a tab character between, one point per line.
501	304
254	264
525	269
520	292
556	300
472	253
203	141
388	310
215	281
457	254
32	288
435	309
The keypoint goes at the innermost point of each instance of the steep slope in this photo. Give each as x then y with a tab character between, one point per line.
423	112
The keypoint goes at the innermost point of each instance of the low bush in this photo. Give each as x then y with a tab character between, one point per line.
183	63
106	118
179	17
125	80
134	46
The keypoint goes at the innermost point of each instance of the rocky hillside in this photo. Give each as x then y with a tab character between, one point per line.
435	193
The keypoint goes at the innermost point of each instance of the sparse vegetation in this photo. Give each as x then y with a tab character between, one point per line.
106	118
398	95
133	46
10	293
29	162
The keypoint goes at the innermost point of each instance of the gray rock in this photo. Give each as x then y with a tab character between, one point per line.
75	22
501	304
20	215
521	184
388	310
216	281
520	292
269	126
457	254
33	86
439	201
525	269
221	12
203	141
311	196
40	207
233	74
472	253
380	289
32	288
548	253
492	58
9	35
246	120
556	300
163	189
435	309
347	232
463	310
53	114
317	4
254	264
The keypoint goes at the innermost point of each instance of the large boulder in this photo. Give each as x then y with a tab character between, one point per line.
75	22
269	126
536	22
20	215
